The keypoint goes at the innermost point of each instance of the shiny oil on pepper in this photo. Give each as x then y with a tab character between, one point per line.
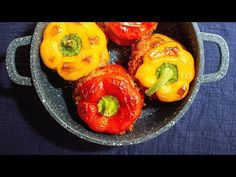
109	102
73	49
167	71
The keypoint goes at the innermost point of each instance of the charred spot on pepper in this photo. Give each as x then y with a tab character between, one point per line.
168	51
155	54
181	91
51	59
171	51
87	59
157	42
68	67
93	40
55	30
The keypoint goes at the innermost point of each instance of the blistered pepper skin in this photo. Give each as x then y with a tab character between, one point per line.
116	83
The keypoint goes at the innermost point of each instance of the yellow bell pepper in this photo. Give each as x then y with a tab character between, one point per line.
73	49
167	71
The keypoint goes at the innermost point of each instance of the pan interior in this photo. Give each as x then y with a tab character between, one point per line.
56	95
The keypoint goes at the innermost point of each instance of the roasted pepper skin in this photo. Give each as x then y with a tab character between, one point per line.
114	82
73	49
127	33
170	52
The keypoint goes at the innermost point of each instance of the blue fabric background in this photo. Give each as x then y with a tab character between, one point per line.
209	127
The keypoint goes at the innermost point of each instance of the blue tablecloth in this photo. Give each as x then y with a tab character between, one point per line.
209	127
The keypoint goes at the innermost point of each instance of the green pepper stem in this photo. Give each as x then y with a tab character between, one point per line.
70	45
108	106
165	77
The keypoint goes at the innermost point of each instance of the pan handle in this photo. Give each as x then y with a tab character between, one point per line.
11	61
224	57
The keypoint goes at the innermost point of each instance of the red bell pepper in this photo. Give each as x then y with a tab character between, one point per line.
109	102
126	33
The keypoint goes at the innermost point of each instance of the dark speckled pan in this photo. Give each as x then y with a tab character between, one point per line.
156	118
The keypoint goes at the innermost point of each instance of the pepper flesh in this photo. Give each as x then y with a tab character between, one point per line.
171	52
73	49
116	84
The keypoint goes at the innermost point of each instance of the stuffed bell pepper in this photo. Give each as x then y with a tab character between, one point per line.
73	49
108	100
162	67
